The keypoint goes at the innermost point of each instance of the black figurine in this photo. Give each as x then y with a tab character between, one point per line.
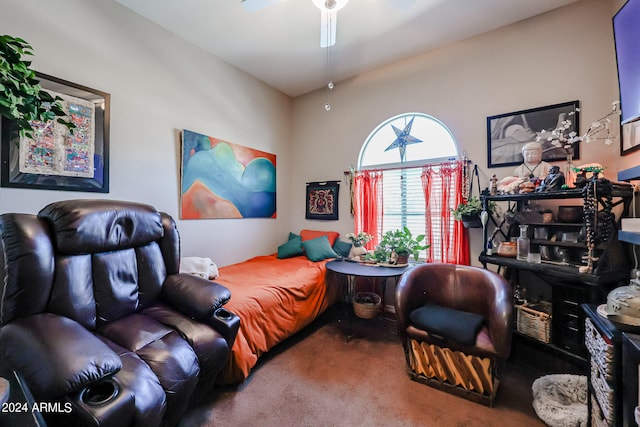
553	181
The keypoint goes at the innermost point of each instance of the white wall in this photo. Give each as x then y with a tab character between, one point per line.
564	55
159	84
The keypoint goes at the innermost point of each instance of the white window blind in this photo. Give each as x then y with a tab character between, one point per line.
404	205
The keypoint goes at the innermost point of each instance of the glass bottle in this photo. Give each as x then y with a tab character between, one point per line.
569	174
523	244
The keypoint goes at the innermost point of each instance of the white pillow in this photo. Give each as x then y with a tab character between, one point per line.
203	267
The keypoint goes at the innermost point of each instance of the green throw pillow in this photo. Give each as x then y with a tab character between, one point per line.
342	248
293	235
291	248
318	249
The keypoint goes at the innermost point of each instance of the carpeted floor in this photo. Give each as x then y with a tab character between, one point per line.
317	378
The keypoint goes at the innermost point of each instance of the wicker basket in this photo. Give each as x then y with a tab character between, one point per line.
534	320
366	305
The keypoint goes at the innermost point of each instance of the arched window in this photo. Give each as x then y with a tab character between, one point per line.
413	187
405	140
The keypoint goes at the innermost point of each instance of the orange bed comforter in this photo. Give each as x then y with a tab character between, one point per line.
274	298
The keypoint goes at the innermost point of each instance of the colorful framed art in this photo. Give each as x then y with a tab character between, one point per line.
220	179
322	200
56	158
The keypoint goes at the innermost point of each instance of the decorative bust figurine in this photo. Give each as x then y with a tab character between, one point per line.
533	165
554	180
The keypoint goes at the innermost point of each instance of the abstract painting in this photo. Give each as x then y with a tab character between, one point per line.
220	179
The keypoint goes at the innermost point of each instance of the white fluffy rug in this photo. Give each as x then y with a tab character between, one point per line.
561	400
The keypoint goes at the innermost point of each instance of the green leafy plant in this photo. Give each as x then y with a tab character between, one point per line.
359	239
401	242
22	99
471	207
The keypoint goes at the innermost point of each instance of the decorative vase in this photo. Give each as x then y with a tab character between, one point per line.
569	175
357	251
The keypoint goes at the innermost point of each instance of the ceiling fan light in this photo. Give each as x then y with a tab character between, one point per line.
333	5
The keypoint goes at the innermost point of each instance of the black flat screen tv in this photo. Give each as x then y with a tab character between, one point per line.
626	32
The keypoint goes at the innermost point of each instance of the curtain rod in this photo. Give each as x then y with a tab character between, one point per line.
415	166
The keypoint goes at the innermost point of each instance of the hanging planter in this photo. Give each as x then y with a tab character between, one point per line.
469	212
471	221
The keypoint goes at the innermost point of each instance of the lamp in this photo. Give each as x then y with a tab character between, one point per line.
330	4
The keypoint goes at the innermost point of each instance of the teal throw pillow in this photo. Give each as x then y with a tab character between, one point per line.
318	249
291	248
342	248
293	235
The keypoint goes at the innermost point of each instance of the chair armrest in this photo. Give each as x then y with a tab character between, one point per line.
225	322
55	355
203	300
193	295
500	323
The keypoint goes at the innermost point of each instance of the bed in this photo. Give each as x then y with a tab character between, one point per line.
274	298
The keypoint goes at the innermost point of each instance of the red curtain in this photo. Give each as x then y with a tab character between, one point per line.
442	185
367	204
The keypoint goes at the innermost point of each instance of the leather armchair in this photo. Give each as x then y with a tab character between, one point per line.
94	314
471	370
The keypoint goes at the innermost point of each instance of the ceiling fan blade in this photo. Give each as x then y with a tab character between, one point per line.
253	5
328	21
399	4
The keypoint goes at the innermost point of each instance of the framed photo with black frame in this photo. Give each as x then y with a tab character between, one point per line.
57	159
322	200
508	133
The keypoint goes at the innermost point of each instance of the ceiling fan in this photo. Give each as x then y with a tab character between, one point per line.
328	14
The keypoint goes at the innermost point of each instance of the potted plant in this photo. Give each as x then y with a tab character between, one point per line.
469	212
358	241
396	246
22	99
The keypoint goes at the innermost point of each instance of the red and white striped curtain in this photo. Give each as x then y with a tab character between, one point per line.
443	190
367	203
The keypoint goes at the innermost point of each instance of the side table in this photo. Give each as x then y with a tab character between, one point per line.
17	410
347	272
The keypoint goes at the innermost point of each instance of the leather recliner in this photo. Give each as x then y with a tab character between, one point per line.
95	315
471	368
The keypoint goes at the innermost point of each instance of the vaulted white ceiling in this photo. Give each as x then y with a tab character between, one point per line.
280	45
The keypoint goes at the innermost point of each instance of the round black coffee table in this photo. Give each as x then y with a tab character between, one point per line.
349	271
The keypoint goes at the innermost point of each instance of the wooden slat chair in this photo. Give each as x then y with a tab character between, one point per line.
456	325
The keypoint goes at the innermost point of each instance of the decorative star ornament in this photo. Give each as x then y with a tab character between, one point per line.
403	138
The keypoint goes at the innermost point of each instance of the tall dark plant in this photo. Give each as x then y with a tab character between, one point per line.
22	99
